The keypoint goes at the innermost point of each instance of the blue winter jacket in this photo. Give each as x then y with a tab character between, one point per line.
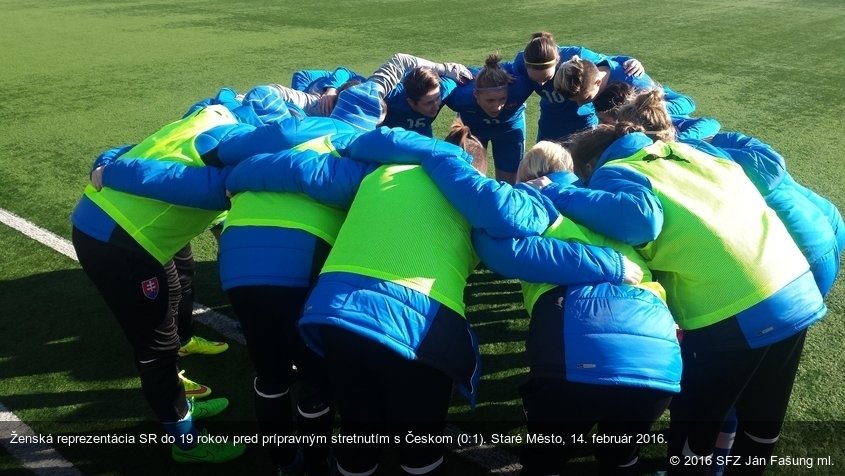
168	181
316	81
621	204
605	334
406	320
813	222
287	252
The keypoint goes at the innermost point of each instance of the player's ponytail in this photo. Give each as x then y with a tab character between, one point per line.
460	135
648	109
492	75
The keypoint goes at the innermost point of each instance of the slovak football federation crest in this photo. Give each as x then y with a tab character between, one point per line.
150	288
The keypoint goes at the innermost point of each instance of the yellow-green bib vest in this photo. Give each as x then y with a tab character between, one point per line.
566	229
403	230
289	210
162	228
714	257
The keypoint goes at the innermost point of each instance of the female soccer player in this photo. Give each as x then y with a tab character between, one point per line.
736	282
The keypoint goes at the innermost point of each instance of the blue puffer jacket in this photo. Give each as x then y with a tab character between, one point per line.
396	316
168	181
813	222
621	204
608	334
287	252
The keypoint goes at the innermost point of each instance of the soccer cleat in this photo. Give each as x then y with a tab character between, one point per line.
193	389
207	408
198	345
208	451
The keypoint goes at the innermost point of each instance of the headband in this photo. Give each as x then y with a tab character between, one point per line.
492	88
545	63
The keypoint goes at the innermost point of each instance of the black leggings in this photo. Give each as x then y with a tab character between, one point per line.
268	316
380	392
757	382
562	408
144	296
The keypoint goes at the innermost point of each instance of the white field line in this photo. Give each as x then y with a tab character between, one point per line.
40	458
37	457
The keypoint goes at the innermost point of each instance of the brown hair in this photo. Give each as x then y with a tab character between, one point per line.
352	82
575	76
419	82
614	96
648	109
460	135
544	158
492	75
587	146
541	51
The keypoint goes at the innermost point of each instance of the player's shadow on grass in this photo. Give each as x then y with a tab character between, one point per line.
62	347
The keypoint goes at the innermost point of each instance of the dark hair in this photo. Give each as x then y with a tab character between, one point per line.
541	48
615	94
352	82
587	146
419	82
460	135
492	75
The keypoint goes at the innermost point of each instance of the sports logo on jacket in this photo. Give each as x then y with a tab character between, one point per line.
150	288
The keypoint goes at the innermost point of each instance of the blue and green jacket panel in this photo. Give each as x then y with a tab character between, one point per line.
285	134
621	203
812	221
403	316
244	108
400	114
273	218
605	333
191	183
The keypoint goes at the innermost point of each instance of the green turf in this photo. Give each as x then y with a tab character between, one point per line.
81	76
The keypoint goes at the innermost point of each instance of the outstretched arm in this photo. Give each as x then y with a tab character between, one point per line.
328	179
761	163
698	128
110	156
168	181
496	207
388	75
619	204
548	260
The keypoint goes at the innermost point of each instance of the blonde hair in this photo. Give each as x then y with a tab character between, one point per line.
544	158
575	76
648	109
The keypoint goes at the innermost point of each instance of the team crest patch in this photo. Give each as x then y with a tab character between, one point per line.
150	288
